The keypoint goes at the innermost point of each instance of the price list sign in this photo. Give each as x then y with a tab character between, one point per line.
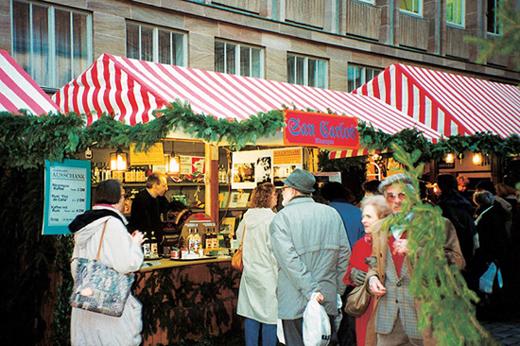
67	194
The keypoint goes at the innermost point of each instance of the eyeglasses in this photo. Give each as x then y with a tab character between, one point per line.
391	197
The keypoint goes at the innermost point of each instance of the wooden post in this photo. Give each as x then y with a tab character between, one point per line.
211	204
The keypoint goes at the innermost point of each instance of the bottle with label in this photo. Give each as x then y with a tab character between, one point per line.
154	246
197	242
146	248
190	241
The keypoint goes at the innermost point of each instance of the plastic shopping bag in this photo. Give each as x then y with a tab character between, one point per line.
279	331
316	324
488	278
339	316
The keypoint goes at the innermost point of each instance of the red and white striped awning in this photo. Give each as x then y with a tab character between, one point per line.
132	89
447	102
19	91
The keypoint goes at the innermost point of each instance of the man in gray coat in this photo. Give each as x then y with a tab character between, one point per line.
310	244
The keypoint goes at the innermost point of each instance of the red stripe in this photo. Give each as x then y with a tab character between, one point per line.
97	86
375	87
7	104
75	98
106	80
410	97
86	108
255	88
66	98
57	98
435	115
119	100
398	89
146	103
131	99
422	107
364	89
388	90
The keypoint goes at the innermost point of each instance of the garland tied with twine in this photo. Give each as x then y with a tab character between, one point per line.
446	303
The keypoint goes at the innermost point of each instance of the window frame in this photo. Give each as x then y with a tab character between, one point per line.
418	14
237	49
498	23
306	69
462	25
363	75
370	2
155	42
51	39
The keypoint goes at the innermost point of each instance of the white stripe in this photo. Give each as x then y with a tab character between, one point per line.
124	97
404	93
440	121
91	89
370	87
13	98
382	88
454	128
428	112
136	91
416	102
113	89
392	87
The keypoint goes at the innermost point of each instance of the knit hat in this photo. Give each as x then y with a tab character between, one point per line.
301	180
396	178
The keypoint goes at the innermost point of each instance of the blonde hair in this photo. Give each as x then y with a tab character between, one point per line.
379	204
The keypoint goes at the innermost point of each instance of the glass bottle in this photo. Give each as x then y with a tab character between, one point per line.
154	246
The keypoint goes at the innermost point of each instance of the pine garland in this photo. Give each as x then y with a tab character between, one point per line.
27	140
445	300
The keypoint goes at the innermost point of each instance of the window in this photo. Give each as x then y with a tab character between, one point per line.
53	44
455	12
494	26
411	6
307	71
358	75
239	59
155	44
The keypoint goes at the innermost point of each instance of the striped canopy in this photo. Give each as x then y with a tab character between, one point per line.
132	89
447	102
19	91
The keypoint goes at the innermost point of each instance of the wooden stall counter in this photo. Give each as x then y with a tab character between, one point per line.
187	301
165	263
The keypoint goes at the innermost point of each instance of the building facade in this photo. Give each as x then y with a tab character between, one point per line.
336	44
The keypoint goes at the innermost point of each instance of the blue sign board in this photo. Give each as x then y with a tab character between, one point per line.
67	194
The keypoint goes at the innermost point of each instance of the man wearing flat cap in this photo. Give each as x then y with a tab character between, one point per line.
311	246
395	317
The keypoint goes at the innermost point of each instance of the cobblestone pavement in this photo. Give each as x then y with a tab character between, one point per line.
507	333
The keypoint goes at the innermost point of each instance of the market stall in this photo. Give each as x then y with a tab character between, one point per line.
452	104
221	110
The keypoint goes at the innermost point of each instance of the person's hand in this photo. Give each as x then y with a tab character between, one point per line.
401	246
319	297
376	287
371	261
358	276
137	237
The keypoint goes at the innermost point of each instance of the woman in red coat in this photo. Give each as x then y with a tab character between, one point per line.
373	209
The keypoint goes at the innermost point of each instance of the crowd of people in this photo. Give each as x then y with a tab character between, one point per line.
303	252
481	227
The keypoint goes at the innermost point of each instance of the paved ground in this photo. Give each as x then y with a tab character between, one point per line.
507	333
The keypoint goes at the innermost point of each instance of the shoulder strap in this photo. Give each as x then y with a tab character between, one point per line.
101	240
